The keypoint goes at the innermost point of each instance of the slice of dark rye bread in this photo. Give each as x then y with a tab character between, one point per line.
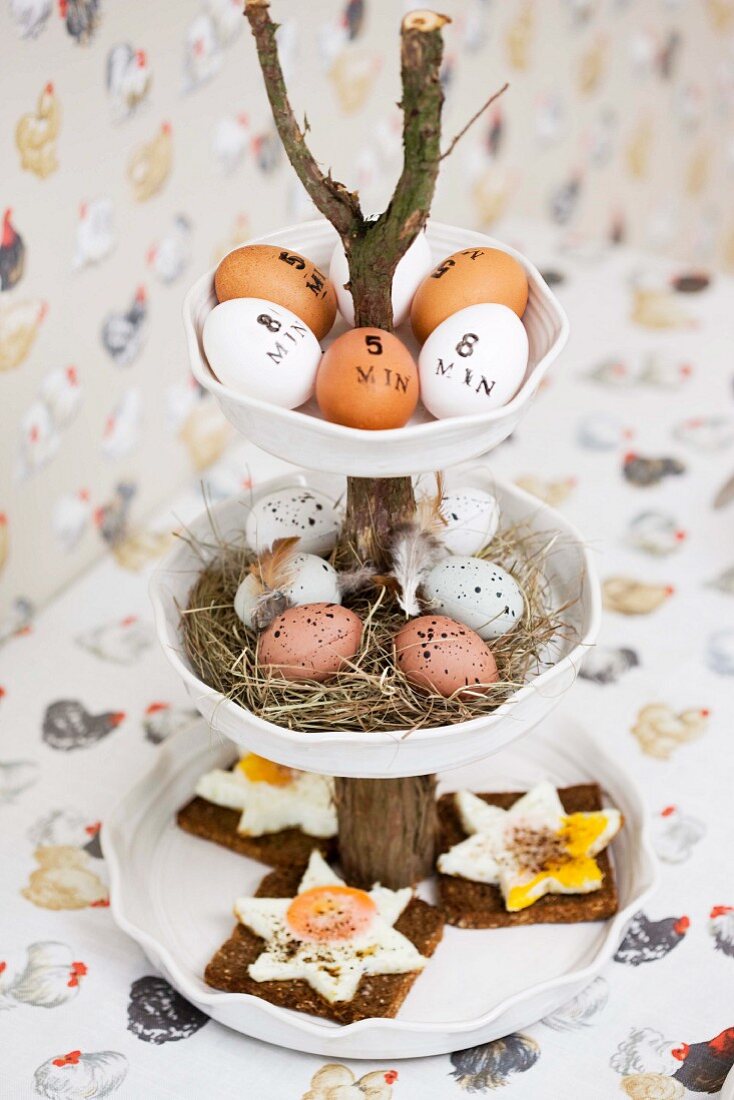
377	995
287	848
477	905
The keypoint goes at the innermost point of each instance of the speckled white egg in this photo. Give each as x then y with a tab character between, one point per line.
312	580
293	513
473	362
409	274
475	592
262	350
472	517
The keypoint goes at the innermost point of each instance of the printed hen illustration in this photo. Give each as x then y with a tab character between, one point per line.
123	333
649	940
12	254
36	133
721	927
67	725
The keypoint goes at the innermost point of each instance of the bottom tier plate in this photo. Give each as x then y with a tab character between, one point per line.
173	894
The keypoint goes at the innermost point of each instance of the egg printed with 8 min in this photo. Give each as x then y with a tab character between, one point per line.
473	362
262	350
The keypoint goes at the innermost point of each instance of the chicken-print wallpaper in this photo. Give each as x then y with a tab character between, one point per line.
137	148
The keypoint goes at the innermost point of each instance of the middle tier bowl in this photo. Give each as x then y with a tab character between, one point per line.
573	584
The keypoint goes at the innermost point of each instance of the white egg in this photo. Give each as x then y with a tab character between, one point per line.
409	274
472	517
477	593
473	362
262	350
293	513
313	580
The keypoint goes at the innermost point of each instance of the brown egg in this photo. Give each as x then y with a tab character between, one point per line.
310	642
441	655
280	276
468	278
367	379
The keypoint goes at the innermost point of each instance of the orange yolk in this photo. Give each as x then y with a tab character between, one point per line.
578	874
259	770
329	914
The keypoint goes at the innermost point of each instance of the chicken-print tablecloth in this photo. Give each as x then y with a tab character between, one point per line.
632	438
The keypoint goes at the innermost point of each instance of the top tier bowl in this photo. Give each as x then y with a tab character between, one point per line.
301	435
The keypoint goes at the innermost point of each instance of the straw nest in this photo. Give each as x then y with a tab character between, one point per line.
371	694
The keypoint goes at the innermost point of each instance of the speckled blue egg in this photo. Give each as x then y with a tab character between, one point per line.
478	593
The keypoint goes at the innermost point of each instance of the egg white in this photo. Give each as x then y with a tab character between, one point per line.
306	803
333	970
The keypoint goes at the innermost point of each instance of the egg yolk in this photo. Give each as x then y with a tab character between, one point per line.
328	914
259	770
579	873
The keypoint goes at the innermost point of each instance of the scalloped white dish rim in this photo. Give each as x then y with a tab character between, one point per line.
171	648
205	377
648	873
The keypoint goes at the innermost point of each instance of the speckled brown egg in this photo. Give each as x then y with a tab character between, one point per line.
281	276
441	655
311	642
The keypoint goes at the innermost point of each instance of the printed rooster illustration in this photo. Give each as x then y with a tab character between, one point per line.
656	533
704	1066
123	333
36	133
19	326
489	1065
643	472
12	254
721	927
81	18
45	975
68	725
128	79
150	164
649	940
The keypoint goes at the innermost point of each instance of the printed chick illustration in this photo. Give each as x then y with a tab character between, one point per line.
335	1080
36	133
63	880
649	940
660	731
721	927
651	1086
490	1065
628	596
68	725
150	164
12	253
19	326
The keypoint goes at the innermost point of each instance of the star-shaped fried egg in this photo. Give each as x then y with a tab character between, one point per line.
329	934
532	849
272	797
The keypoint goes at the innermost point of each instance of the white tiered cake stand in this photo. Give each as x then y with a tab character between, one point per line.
480	984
